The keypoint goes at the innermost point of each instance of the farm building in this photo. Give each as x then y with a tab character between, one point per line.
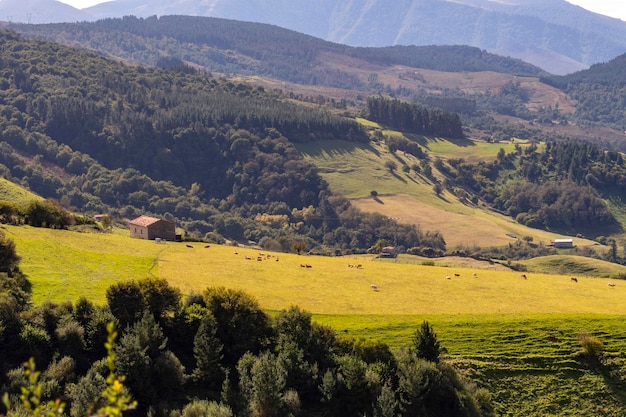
145	227
388	252
562	243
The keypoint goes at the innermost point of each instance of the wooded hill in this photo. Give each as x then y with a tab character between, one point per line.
228	46
218	155
276	56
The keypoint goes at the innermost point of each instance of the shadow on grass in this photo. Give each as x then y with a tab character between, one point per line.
612	374
425	140
336	147
395	174
411	178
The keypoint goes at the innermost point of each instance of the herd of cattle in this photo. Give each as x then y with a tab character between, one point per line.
262	256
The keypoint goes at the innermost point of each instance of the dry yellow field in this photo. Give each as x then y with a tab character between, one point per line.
64	265
459	225
330	286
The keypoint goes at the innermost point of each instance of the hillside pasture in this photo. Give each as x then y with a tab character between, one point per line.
14	193
410	198
509	334
574	265
63	265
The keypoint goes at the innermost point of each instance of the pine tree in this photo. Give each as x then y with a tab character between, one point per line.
426	344
207	350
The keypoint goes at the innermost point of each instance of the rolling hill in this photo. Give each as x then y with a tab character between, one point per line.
135	126
555	35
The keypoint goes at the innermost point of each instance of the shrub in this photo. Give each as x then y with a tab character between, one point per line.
592	346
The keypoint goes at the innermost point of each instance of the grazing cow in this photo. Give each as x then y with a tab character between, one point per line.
610	284
359	266
574	279
207	246
259	258
236	253
189	246
248	258
374	287
350	266
475	275
447	276
302	266
524	276
457	275
308	266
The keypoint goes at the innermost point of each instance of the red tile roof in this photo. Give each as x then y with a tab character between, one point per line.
144	221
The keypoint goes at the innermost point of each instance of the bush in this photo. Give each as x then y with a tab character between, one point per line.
592	346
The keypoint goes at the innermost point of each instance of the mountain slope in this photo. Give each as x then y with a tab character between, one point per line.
229	46
554	35
40	11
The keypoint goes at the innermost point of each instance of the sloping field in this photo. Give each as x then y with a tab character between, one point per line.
574	265
409	197
63	265
14	193
515	336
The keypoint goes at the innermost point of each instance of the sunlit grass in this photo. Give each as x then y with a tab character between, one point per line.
14	193
409	196
510	334
63	265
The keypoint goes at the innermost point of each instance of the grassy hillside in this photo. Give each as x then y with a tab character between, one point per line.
574	265
357	169
12	192
87	263
508	333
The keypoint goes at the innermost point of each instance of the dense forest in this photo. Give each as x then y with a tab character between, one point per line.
406	117
214	155
228	46
560	188
599	91
212	354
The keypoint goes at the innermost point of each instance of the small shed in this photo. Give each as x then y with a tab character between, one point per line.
388	252
562	243
146	227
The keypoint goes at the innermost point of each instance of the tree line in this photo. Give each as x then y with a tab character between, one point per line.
411	118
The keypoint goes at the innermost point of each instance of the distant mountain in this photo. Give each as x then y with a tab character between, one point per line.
40	11
553	34
245	48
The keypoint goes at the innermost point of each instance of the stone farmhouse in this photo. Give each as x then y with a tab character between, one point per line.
146	227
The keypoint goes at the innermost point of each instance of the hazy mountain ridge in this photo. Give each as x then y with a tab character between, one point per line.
554	35
235	47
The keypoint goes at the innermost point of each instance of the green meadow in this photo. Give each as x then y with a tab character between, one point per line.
13	192
409	196
504	331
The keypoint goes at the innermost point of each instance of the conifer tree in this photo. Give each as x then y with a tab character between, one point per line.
207	350
426	344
